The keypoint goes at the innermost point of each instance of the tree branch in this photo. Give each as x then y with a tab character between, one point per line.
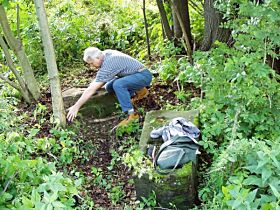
146	29
8	183
10	62
185	35
13	84
165	24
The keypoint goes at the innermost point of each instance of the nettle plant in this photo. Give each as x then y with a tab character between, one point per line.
252	177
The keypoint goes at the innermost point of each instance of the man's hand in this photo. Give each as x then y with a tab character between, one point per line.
72	113
73	110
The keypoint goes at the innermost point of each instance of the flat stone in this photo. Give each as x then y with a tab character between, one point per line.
158	118
100	105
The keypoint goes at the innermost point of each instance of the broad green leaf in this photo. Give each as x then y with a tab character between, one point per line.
275	191
58	205
251	196
253	180
266	173
27	202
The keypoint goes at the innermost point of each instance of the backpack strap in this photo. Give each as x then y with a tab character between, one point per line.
169	170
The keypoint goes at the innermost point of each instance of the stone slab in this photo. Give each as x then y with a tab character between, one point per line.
100	105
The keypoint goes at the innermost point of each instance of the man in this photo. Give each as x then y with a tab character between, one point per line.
121	74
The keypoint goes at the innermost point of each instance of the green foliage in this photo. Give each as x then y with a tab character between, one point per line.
168	67
239	107
26	179
239	111
116	194
140	164
76	25
131	127
197	22
243	179
149	202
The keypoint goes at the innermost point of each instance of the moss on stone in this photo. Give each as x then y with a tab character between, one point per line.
185	170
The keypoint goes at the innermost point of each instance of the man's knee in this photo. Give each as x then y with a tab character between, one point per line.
117	85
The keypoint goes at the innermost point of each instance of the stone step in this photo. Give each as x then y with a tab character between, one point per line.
100	105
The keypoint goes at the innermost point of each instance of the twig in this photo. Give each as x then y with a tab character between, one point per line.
217	169
113	129
235	124
269	99
8	183
50	154
13	84
103	119
201	84
265	45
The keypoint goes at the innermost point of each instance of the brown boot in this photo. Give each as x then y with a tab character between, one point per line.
142	93
131	117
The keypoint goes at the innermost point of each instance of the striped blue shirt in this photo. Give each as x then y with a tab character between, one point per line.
116	64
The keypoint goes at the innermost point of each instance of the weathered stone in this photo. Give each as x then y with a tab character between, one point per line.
179	187
99	105
175	189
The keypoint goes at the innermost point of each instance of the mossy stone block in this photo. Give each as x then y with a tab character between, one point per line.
102	104
177	188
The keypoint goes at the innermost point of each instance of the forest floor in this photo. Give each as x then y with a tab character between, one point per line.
109	182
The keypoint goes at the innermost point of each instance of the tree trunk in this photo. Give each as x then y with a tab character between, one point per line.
167	30
22	86
183	9
176	26
212	29
185	33
57	100
146	30
18	49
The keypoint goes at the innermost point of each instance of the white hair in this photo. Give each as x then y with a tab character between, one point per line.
91	53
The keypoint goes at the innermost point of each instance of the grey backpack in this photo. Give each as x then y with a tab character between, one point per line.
175	152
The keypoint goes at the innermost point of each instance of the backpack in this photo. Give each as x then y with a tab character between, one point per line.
174	153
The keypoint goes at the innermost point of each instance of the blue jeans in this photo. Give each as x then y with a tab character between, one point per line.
125	87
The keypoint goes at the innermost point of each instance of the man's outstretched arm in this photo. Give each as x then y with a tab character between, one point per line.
73	110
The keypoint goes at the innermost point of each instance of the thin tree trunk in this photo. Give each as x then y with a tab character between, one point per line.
185	34
183	9
18	49
176	26
212	29
167	30
146	30
57	101
23	89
